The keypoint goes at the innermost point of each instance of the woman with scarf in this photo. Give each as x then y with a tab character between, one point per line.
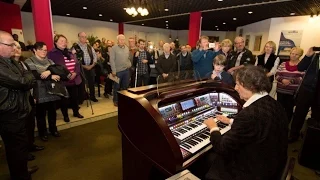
62	56
45	102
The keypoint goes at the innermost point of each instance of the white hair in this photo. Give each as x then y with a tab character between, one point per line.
120	35
239	37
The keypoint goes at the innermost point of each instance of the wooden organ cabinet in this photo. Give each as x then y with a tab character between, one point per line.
162	129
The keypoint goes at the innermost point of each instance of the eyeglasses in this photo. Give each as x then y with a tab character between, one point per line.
11	45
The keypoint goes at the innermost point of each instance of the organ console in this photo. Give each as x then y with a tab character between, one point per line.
163	131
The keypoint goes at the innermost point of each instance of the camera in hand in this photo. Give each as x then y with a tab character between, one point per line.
316	48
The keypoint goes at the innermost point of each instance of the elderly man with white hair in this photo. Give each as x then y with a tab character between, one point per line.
120	64
240	57
167	64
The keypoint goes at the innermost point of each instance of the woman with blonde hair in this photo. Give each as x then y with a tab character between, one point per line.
268	60
288	80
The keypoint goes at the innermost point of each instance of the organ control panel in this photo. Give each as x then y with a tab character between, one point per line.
185	119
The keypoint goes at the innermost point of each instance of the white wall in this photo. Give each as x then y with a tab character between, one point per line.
311	30
183	35
260	28
70	27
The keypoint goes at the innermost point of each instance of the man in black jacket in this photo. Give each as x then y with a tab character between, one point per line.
308	95
141	61
256	145
15	85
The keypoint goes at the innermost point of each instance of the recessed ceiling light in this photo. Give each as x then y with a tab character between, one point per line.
166	9
292	14
68	14
224	23
167	27
124	8
111	19
100	14
217	29
220	0
167	21
142	24
85	7
234	19
250	12
216	26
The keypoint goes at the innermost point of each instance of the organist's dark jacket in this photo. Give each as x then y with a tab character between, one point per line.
256	146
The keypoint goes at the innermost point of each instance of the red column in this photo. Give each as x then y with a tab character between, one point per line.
194	28
42	19
120	28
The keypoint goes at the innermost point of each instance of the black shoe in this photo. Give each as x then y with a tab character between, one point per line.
292	139
78	115
106	95
36	148
31	157
44	138
32	169
56	134
94	99
66	119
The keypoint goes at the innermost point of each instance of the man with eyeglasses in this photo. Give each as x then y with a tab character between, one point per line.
240	57
15	85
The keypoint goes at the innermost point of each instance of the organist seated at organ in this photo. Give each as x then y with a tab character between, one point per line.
256	145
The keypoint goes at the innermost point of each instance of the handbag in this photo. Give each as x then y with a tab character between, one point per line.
57	88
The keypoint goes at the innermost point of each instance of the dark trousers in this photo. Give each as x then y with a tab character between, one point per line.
124	77
72	101
287	101
153	80
305	99
108	86
132	77
41	112
90	77
14	136
30	126
143	78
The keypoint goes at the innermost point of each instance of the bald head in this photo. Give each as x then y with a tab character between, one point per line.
6	44
82	37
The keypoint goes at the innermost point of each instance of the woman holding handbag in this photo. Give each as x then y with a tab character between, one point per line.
45	102
62	56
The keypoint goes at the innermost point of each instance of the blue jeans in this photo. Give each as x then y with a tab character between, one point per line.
124	77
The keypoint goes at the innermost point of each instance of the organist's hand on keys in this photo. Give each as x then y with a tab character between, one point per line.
210	123
223	119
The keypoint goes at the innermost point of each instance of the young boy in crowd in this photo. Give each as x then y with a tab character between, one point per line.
218	73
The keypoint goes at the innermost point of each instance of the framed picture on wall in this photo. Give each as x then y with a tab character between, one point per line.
247	41
257	43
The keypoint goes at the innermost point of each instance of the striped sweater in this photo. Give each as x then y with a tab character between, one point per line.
286	71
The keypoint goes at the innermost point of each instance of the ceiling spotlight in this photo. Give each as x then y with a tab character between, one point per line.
124	8
84	7
167	27
250	12
217	29
166	9
234	19
220	0
100	15
216	26
167	21
111	19
224	23
292	14
68	14
142	24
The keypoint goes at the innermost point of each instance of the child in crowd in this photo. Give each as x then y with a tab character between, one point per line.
218	73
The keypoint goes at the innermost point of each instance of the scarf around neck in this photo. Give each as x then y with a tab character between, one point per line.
40	65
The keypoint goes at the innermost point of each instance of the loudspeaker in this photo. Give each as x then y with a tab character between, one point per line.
310	151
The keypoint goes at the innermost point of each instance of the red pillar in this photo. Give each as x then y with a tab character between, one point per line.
120	28
194	28
41	11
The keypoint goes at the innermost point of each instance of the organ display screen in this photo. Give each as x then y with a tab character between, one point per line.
187	104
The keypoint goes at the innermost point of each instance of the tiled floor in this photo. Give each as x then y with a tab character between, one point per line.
102	110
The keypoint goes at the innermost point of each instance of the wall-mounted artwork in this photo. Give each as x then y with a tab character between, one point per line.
257	43
247	42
